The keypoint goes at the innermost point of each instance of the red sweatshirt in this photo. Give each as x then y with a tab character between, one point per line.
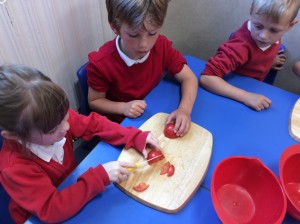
240	54
107	72
32	183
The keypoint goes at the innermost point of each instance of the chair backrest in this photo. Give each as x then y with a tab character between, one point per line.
1	140
4	200
4	212
83	98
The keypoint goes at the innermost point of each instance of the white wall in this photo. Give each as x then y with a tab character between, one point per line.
54	36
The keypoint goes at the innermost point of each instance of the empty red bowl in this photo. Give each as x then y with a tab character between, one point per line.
244	190
289	169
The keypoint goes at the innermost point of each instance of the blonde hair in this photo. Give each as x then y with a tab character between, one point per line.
29	100
275	9
134	12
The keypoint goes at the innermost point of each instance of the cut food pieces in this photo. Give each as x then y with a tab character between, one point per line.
168	169
141	187
165	168
171	171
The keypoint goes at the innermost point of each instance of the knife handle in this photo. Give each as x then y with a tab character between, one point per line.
137	165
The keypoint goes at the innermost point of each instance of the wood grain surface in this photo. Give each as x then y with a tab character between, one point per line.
294	125
190	156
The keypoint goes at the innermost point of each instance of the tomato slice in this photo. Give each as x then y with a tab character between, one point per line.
171	171
169	131
141	187
153	154
165	168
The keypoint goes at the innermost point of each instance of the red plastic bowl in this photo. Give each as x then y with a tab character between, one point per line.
244	190
289	167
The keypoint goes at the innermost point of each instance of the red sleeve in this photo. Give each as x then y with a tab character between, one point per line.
228	58
94	76
174	59
30	187
95	124
100	62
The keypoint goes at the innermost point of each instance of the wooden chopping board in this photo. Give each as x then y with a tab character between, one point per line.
294	125
190	155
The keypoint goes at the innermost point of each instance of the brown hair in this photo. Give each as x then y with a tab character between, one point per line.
134	12
29	100
275	9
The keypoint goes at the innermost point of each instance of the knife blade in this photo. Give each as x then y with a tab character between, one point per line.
139	165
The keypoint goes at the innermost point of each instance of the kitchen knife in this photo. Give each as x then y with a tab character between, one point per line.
142	164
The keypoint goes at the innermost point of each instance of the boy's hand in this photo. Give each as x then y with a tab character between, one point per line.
182	121
278	62
117	170
135	108
257	102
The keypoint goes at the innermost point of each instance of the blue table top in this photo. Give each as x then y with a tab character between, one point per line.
236	130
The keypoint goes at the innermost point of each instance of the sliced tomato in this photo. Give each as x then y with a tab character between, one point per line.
141	187
169	131
165	168
157	154
171	171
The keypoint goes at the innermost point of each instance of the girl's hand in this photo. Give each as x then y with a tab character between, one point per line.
117	170
153	141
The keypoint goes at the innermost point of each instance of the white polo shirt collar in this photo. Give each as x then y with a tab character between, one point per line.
129	62
46	153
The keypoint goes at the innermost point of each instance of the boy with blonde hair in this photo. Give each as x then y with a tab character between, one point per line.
251	51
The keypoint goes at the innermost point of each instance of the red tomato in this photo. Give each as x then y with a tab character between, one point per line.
141	187
169	131
154	153
171	171
165	168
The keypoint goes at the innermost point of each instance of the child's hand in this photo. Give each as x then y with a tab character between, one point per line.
135	108
257	102
153	141
117	170
182	121
279	62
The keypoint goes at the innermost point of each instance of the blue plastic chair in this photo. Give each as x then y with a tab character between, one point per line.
1	141
4	200
83	98
270	78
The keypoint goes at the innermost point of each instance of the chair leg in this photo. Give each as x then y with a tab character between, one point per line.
271	77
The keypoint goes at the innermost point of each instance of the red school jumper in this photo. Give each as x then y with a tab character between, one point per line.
241	54
32	183
107	72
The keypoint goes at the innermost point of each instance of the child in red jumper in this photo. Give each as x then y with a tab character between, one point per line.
127	68
251	51
37	153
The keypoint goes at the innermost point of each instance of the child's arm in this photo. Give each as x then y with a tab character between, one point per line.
217	85
113	133
296	68
189	87
99	103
